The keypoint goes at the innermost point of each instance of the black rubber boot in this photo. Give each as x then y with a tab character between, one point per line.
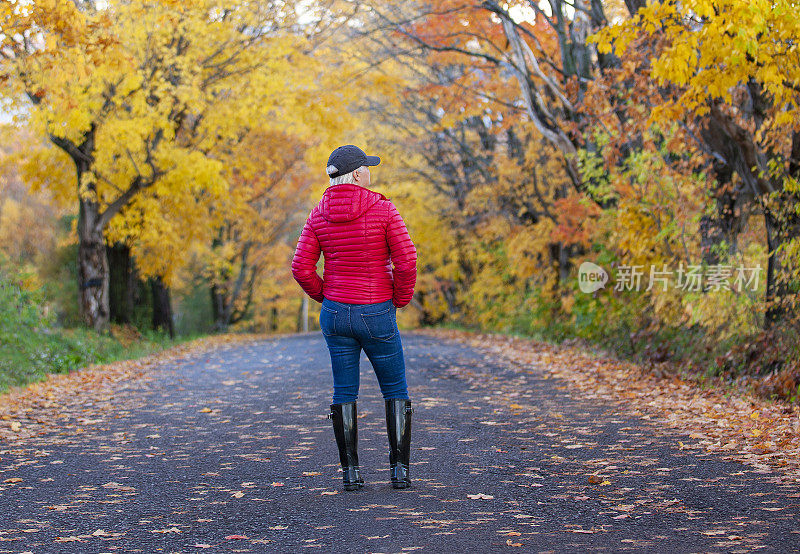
398	427
345	428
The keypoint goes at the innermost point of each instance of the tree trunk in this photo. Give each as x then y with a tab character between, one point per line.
300	316
782	226
162	307
218	308
772	315
136	294
721	228
130	298
93	277
119	271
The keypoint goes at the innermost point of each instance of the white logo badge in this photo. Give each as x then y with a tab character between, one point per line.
591	277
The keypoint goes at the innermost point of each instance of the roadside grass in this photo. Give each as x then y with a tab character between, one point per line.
32	344
28	354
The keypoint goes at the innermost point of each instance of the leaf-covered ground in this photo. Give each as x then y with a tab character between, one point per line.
760	433
224	446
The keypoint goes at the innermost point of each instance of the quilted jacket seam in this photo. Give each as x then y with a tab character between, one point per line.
366	262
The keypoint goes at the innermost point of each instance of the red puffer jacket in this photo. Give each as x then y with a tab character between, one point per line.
358	231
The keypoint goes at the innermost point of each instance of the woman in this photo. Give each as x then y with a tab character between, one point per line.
359	231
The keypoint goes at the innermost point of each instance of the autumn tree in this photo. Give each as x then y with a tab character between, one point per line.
736	97
144	96
29	221
548	55
268	183
458	107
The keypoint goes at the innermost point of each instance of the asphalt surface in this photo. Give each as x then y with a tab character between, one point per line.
231	451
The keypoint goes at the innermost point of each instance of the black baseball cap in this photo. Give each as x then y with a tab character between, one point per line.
347	158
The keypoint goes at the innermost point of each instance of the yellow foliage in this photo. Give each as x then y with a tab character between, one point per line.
164	95
715	46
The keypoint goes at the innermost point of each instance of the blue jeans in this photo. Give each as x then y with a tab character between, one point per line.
347	329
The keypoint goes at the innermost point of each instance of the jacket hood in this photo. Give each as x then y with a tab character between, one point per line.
347	202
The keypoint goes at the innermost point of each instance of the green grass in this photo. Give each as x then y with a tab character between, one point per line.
29	357
31	345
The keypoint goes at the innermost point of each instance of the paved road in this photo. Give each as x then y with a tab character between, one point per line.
231	451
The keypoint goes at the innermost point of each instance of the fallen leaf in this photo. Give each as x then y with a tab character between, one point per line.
69	539
480	496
